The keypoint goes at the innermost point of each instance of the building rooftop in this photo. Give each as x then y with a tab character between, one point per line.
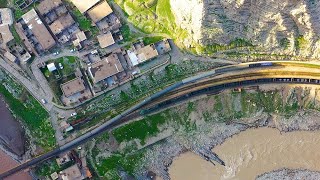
61	24
84	5
38	29
51	67
72	87
105	40
147	52
10	56
100	11
81	36
6	17
6	34
105	68
46	6
72	173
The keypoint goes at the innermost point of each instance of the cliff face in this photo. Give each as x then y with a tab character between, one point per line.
277	26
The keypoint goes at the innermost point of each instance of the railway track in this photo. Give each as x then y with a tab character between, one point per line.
176	93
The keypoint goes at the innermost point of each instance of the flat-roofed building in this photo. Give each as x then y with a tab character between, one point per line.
84	5
72	173
38	29
6	35
6	17
72	87
105	68
105	40
10	56
61	24
46	6
80	37
147	52
100	11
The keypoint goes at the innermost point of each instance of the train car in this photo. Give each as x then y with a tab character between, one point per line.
260	64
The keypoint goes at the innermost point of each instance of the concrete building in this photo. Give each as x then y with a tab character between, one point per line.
72	87
147	52
46	6
80	37
61	24
5	36
105	40
72	173
35	34
6	17
105	68
10	56
84	5
100	11
51	67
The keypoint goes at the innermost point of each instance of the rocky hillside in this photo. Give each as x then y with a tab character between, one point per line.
289	27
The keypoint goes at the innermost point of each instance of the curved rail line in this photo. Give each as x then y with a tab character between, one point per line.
93	133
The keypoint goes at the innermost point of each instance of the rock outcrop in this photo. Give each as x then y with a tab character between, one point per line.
289	27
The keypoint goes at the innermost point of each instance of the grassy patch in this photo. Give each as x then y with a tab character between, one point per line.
84	23
3	3
300	43
151	40
33	116
140	129
213	48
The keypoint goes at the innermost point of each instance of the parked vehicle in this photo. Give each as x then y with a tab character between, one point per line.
43	101
73	114
60	65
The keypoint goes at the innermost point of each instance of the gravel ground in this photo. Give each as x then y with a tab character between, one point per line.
289	174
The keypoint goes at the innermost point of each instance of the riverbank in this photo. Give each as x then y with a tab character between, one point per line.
289	174
202	124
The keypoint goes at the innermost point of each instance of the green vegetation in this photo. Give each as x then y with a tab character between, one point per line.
139	129
285	43
109	167
213	48
152	16
126	33
151	40
300	42
84	23
15	34
3	3
32	115
48	167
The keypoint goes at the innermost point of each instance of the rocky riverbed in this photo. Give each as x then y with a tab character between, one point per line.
289	174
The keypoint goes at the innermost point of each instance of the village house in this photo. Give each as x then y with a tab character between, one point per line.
139	53
72	87
72	173
105	68
5	36
6	17
60	22
103	17
14	51
78	42
84	5
34	33
105	40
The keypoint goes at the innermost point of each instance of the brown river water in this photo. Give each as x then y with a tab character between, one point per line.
251	153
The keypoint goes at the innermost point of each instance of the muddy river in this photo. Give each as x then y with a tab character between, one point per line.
11	134
11	137
252	153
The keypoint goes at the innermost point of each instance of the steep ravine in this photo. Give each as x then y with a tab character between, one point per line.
290	27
